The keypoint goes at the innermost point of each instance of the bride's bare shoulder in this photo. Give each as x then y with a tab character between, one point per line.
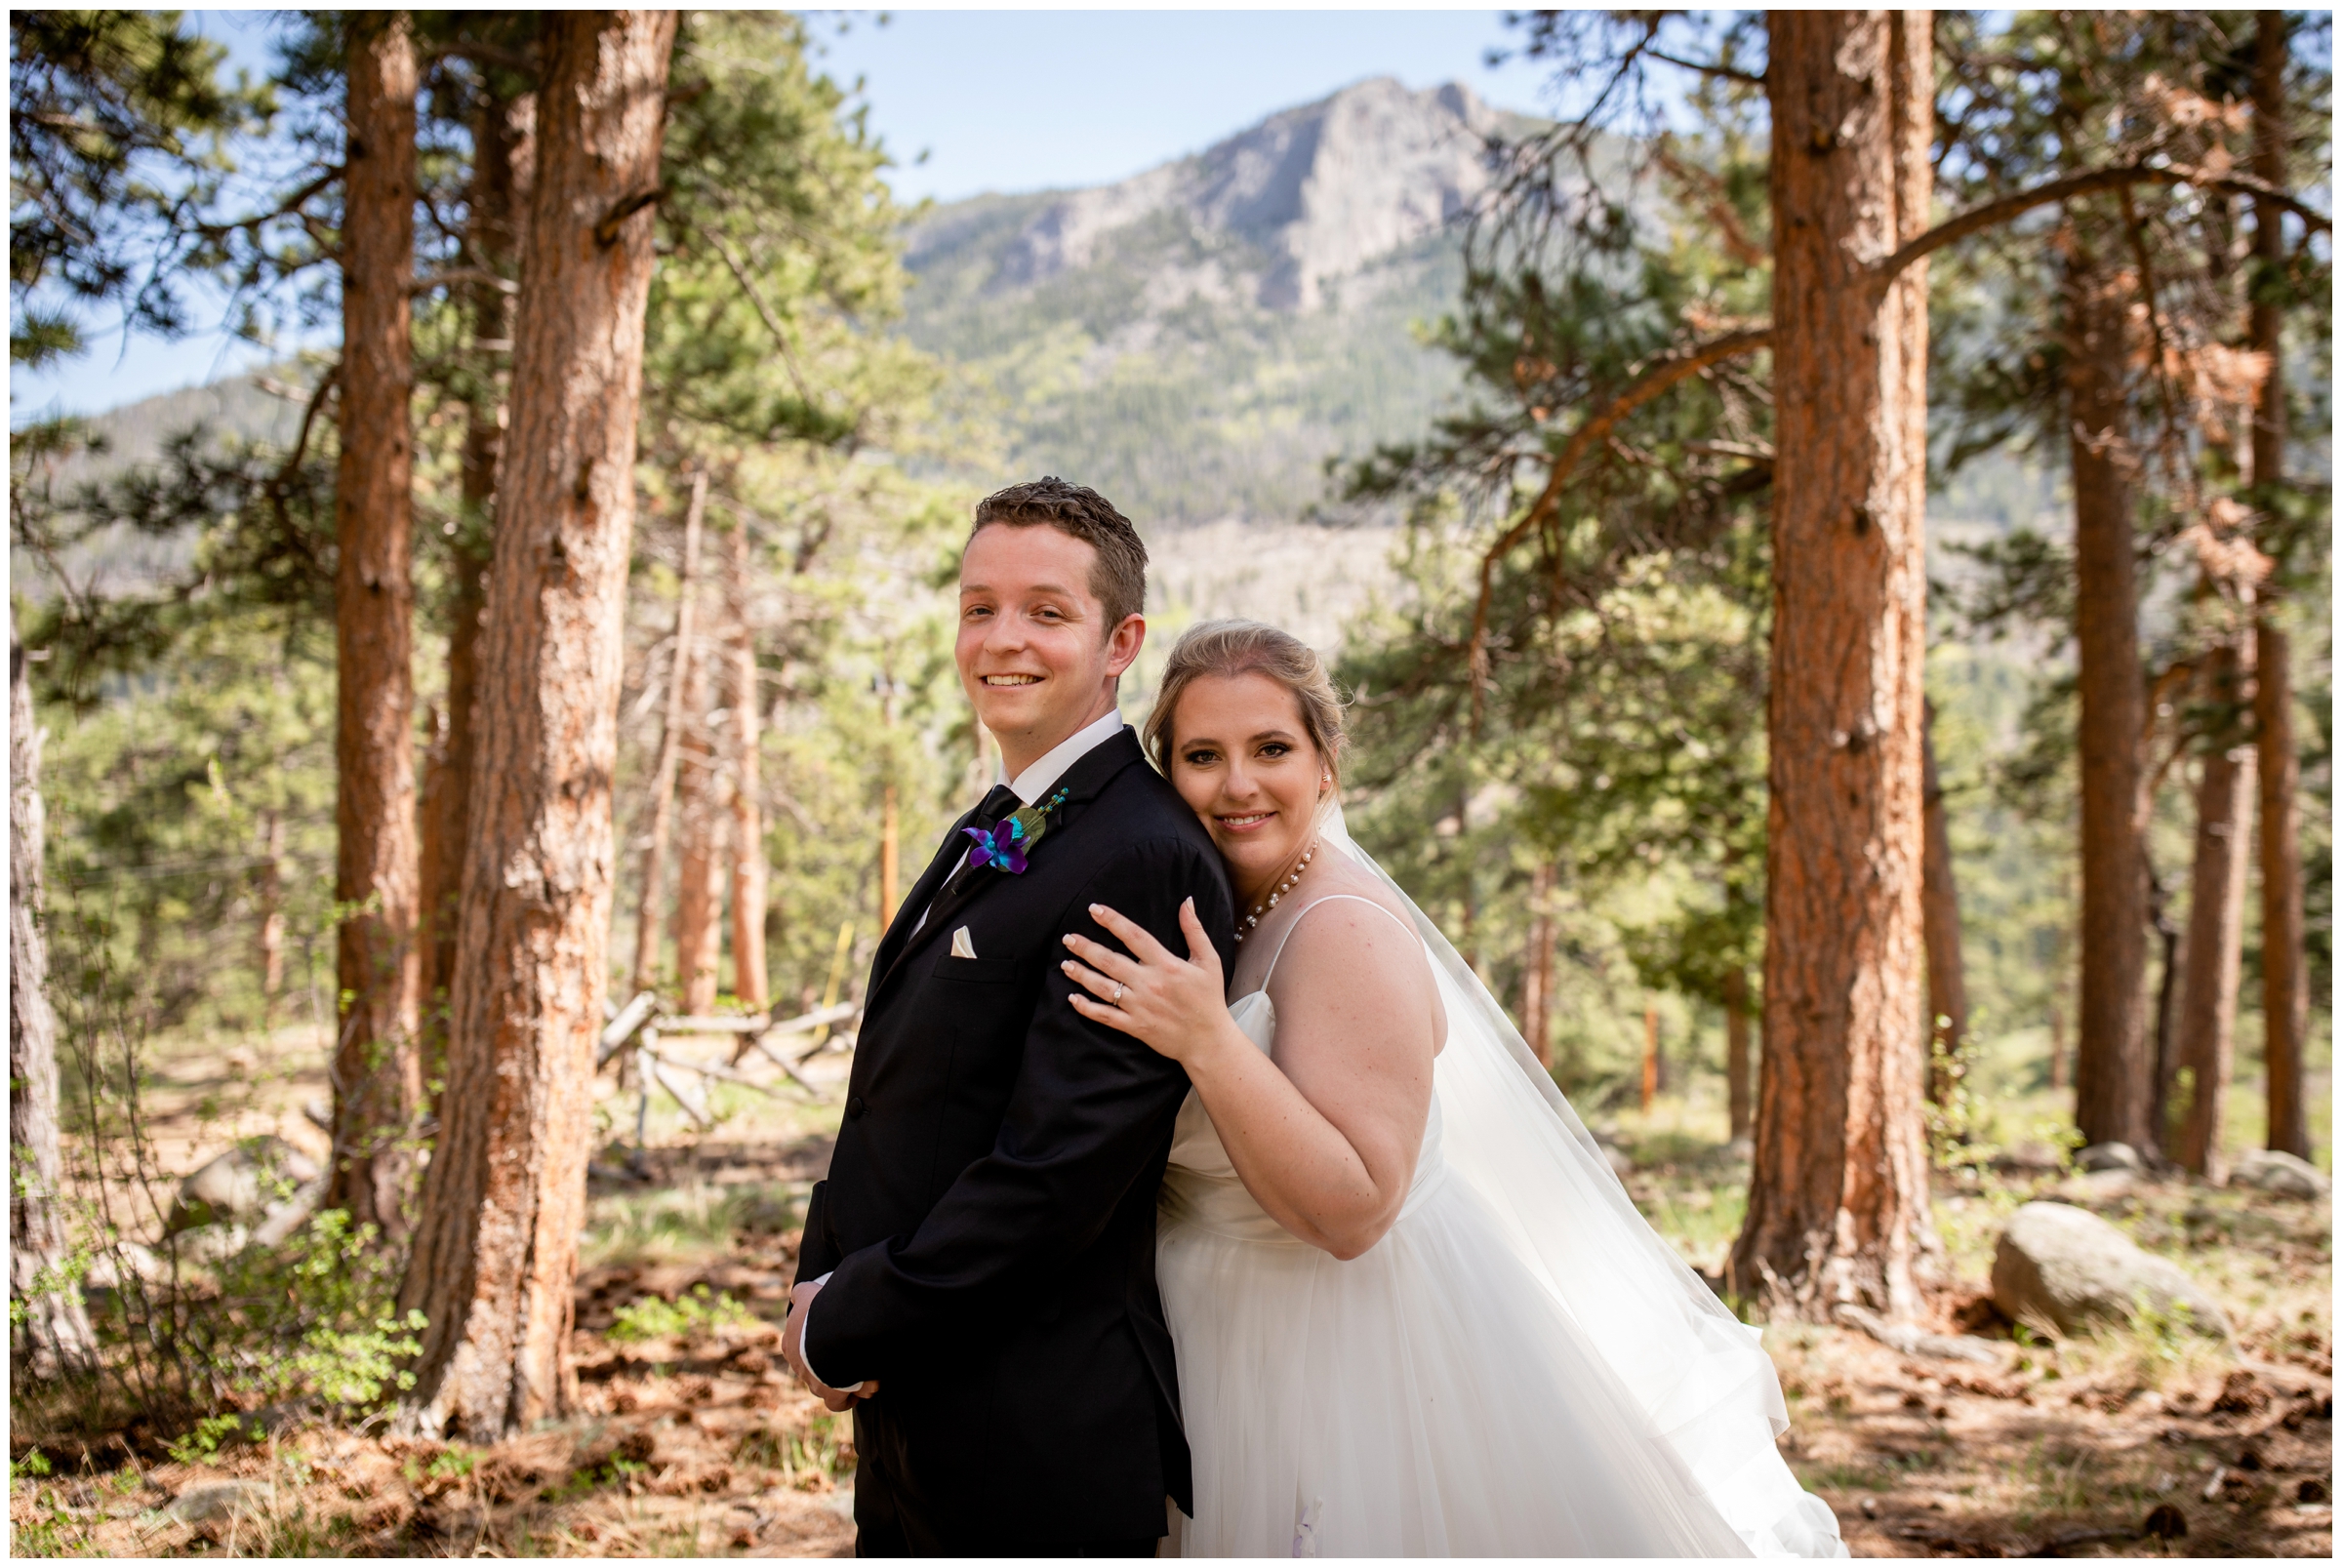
1352	881
1337	947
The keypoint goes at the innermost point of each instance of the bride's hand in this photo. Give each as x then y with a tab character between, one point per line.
1176	1005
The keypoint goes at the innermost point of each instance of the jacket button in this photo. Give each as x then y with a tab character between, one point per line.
856	1107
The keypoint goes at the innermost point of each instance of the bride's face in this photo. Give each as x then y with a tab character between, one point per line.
1243	760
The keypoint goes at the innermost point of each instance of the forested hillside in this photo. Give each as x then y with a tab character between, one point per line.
1199	340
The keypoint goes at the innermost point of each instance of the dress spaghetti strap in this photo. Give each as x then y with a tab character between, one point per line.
1355	898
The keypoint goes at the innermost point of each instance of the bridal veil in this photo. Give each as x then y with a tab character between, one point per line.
1701	1374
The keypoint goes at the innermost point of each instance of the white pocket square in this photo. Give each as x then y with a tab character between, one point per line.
961	947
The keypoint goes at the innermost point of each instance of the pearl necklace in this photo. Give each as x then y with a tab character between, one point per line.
1269	903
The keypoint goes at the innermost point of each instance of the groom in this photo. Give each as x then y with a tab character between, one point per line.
977	1277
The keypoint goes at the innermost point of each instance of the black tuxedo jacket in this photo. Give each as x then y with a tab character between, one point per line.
989	1214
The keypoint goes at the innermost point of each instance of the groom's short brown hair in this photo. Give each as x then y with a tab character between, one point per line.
1119	579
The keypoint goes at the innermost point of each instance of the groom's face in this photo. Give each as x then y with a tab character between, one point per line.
1035	652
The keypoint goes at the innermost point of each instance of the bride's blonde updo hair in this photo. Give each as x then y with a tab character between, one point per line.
1232	648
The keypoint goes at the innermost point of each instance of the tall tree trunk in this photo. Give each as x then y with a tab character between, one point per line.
2215	952
1939	900
378	1071
890	852
750	981
54	1337
2167	1003
1537	968
2112	1074
271	899
671	743
1837	1200
699	882
1738	1101
495	1258
2284	969
504	158
1650	1055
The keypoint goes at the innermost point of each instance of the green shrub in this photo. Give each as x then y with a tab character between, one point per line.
687	1317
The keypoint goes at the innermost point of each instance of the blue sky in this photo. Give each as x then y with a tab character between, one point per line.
993	101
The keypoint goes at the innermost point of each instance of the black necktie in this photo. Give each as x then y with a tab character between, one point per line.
995	806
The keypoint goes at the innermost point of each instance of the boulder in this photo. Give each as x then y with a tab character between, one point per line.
245	1185
214	1500
2098	1190
2062	1267
2285	1176
2111	1158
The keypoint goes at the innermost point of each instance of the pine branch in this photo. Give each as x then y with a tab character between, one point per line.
1996	212
1662	374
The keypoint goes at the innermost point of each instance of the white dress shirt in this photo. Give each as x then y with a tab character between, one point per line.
1029	786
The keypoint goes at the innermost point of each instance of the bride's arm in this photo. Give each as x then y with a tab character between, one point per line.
1325	1137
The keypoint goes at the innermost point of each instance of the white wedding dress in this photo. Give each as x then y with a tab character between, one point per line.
1519	1367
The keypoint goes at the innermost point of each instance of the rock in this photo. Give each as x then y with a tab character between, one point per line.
2062	1267
247	1185
2282	1174
215	1499
2111	1158
1317	192
2032	1158
2095	1189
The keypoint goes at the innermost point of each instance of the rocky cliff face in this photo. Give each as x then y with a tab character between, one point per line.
1307	196
1199	340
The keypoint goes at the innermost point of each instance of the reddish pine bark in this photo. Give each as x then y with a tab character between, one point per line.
1537	967
2285	972
2284	983
2113	1068
750	981
377	1070
495	1258
504	157
2210	973
699	878
1837	1201
1939	895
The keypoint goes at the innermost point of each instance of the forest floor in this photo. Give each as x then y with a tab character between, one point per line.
691	1440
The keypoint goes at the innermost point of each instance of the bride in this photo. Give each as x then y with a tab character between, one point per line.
1415	1312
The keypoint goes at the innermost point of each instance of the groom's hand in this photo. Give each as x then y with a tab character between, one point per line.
792	1350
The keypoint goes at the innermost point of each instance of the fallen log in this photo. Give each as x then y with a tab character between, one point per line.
1914	1341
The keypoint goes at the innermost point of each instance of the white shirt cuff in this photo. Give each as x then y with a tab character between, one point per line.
802	1328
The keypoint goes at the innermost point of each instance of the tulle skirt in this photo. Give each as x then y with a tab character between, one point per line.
1427	1398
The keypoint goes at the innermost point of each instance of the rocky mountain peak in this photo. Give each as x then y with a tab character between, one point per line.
1318	190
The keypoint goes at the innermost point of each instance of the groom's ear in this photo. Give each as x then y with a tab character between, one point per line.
1122	644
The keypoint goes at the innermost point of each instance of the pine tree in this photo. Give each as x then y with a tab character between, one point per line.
502	1203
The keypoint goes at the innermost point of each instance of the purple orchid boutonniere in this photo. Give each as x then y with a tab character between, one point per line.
1000	848
1006	845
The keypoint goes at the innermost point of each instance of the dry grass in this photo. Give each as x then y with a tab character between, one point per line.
2067	1448
698	1445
